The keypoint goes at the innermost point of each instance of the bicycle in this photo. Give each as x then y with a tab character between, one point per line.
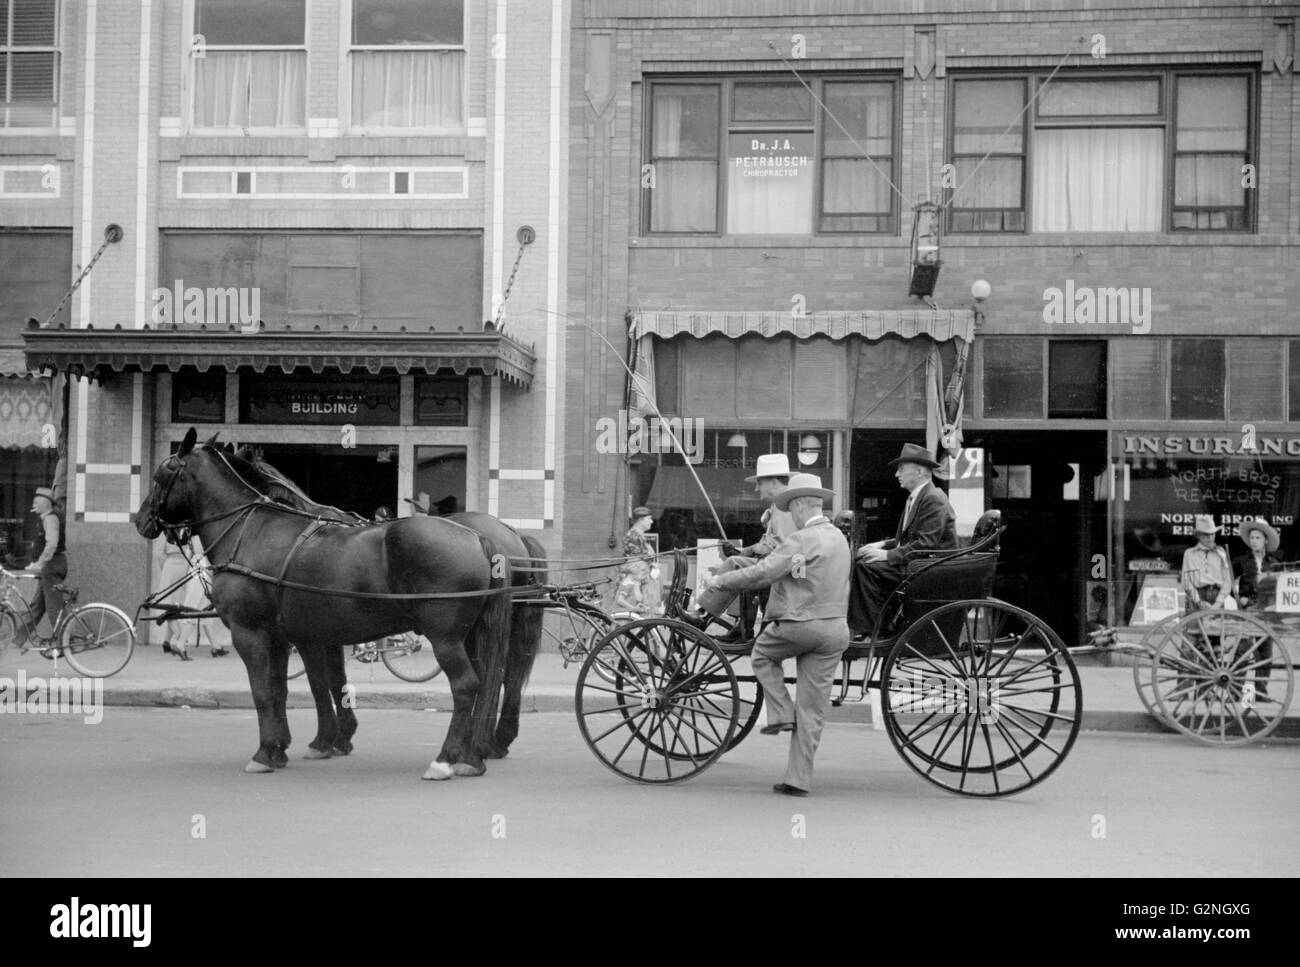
97	639
408	655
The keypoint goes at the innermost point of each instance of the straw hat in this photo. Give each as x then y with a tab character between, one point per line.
45	492
802	485
1205	525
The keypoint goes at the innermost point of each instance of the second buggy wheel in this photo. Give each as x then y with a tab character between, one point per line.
1222	678
671	707
981	698
1144	666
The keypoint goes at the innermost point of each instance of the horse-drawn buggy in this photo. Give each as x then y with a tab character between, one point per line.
978	696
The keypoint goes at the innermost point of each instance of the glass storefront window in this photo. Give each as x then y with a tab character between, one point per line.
199	397
1013	378
441	401
316	400
682	514
439	480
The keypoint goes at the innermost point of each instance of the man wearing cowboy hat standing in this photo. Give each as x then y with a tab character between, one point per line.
1207	572
52	564
928	524
631	594
771	474
809	577
1262	542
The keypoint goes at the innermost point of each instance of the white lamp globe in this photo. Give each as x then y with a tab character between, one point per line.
981	290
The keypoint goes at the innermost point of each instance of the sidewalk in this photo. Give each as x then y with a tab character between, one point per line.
151	678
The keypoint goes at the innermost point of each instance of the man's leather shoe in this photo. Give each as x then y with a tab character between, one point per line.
787	790
700	621
778	728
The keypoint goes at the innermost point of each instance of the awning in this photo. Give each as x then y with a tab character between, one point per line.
13	364
938	324
89	352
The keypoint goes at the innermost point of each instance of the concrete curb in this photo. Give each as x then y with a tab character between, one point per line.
1100	720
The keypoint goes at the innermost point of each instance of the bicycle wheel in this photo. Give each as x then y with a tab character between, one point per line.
97	640
572	631
410	657
8	631
296	668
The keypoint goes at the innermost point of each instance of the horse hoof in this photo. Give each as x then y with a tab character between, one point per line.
493	752
465	769
439	770
255	767
317	754
345	749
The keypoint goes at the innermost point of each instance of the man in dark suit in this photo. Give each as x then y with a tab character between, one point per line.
928	524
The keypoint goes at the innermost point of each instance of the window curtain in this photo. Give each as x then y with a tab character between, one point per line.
852	185
250	89
408	89
767	201
1098	180
684	197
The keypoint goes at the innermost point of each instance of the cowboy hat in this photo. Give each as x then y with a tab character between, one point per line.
915	454
802	485
770	465
1271	540
45	492
1205	525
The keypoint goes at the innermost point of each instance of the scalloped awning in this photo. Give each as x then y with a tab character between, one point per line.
95	351
938	324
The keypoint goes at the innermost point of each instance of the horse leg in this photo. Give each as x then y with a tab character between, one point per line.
315	661
279	664
343	700
254	647
456	757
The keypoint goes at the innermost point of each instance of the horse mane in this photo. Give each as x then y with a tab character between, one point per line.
267	480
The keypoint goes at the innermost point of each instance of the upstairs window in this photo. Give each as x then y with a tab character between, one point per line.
250	65
29	64
1142	153
408	64
754	156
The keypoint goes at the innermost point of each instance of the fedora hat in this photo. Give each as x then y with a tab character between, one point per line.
641	512
1205	525
770	465
802	485
915	454
45	492
1271	540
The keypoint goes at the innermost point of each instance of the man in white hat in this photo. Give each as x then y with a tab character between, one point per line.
770	476
928	524
809	577
1207	572
51	565
1262	541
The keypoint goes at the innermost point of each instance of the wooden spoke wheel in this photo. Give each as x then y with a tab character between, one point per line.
1144	666
981	698
657	701
1223	678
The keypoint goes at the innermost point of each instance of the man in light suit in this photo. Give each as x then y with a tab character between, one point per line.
809	577
928	524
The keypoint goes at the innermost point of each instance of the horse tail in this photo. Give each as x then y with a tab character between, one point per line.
489	639
528	621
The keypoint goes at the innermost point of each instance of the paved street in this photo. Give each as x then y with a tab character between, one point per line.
124	797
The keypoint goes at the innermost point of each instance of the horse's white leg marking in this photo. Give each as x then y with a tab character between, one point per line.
439	770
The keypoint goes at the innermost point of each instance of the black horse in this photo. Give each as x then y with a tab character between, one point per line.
284	575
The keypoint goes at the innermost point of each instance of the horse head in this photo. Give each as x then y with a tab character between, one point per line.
169	501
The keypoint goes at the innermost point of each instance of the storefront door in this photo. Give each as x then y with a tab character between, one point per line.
360	479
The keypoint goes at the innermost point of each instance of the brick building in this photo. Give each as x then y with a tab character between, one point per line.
321	206
744	182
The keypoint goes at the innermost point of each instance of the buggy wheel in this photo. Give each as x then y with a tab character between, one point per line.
296	668
97	640
751	707
410	657
1144	666
981	698
671	708
1222	678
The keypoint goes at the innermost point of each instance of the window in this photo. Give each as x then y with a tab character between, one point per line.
751	156
1013	378
1293	379
441	401
1197	369
199	397
29	64
1097	155
250	65
1076	381
408	64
